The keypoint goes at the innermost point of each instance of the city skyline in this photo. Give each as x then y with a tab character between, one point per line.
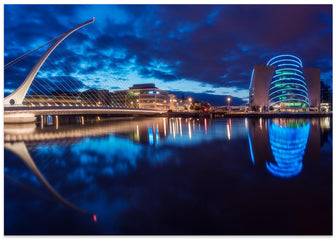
203	51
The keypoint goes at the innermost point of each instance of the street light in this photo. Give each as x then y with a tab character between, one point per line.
228	99
189	106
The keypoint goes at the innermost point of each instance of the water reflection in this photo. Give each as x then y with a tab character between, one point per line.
228	128
326	130
281	144
20	149
145	131
288	139
277	143
49	139
168	174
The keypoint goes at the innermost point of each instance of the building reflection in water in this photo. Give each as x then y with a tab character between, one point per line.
288	139
279	144
153	134
283	143
326	130
148	131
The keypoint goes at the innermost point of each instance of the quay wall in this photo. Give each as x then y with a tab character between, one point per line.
246	115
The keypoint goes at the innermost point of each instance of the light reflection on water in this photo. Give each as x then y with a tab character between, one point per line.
92	159
288	141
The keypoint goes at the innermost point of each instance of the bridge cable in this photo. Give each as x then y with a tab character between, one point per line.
119	83
65	99
73	87
18	59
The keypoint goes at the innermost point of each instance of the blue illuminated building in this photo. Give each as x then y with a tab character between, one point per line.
284	84
288	139
288	85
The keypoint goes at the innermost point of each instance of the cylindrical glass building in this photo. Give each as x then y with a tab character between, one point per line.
288	86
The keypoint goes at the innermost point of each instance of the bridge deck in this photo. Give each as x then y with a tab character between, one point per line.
79	110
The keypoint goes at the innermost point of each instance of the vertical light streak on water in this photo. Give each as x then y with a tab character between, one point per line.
177	125
151	135
205	123
157	134
189	130
137	135
173	130
228	131
181	127
251	151
164	123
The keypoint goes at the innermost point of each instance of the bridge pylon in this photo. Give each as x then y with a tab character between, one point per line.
16	98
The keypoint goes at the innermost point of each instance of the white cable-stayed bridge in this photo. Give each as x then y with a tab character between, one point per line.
38	96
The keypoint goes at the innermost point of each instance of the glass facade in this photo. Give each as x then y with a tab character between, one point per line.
288	86
145	96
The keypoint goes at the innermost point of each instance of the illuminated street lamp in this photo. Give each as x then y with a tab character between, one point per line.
228	99
190	103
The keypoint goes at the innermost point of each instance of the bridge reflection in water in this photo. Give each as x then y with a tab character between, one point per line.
20	149
84	164
279	144
146	131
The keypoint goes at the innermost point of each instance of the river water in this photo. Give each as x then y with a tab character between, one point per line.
169	176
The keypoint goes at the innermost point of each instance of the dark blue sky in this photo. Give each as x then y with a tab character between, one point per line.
205	51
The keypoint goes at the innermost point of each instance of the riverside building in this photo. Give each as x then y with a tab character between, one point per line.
145	96
283	84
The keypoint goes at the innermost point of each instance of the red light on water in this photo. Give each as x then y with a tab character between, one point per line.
95	218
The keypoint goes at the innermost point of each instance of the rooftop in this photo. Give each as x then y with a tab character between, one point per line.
143	86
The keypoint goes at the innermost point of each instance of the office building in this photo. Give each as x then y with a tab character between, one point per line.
145	96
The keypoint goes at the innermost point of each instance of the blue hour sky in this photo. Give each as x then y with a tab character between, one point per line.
205	51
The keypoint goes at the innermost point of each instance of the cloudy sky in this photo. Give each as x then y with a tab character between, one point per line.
204	51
